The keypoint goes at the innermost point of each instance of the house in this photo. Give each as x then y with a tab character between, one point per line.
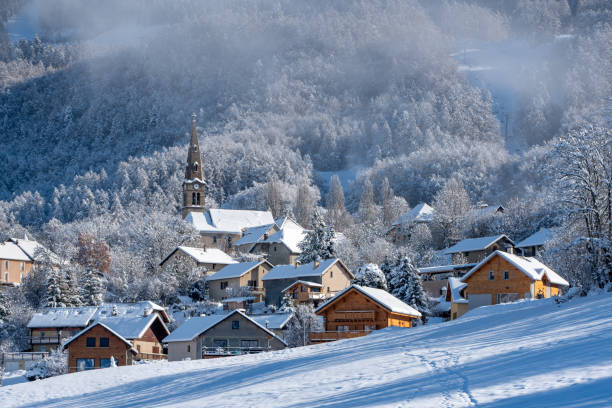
503	277
49	327
455	296
357	310
476	249
486	210
220	336
125	333
435	278
534	243
253	235
400	228
212	259
18	257
281	247
239	280
331	274
218	228
277	323
95	346
304	292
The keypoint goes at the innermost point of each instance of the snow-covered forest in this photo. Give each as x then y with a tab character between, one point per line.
505	102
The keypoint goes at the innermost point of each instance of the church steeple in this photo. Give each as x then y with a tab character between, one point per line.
194	183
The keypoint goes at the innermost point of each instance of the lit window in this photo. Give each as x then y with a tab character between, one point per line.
491	275
235	324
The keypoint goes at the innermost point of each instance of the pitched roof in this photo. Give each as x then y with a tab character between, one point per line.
299	271
11	251
228	221
475	244
420	213
534	269
456	286
236	270
203	255
132	327
254	234
119	336
382	297
273	321
537	239
196	326
290	236
35	250
445	268
305	283
485	210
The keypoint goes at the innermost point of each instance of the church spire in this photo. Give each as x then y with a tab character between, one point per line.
193	185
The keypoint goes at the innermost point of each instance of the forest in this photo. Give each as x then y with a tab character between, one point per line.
359	109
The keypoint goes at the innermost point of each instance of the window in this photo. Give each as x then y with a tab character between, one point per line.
193	198
21	277
235	324
198	196
6	265
195	166
105	362
6	276
491	275
252	283
189	348
220	343
249	343
104	341
91	342
85	364
331	274
224	285
155	350
43	348
328	289
506	275
23	266
214	239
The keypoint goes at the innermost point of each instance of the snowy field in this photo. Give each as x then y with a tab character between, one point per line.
527	354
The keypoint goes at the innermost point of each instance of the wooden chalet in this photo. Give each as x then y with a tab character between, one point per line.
474	250
305	292
357	310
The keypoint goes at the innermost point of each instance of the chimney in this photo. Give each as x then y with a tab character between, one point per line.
147	311
316	263
297	263
267	324
115	311
266	235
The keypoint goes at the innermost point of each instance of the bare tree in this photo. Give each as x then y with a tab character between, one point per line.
451	205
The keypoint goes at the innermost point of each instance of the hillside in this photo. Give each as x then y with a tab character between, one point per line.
504	356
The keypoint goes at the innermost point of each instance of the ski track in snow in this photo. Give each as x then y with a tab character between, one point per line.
523	354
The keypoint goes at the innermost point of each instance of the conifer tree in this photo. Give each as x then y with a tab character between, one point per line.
71	296
371	276
405	284
318	244
93	288
54	289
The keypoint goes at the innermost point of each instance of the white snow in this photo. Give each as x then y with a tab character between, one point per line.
474	244
205	255
293	271
228	221
191	328
254	234
235	270
539	238
380	296
456	285
273	321
420	213
524	354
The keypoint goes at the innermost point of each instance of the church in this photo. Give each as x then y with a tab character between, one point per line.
219	228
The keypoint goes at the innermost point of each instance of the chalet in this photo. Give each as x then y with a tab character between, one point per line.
218	228
212	259
401	227
18	257
331	274
118	329
220	336
358	310
239	280
502	277
455	297
534	243
48	328
282	246
476	249
305	292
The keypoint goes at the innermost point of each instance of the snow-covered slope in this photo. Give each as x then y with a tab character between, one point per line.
516	355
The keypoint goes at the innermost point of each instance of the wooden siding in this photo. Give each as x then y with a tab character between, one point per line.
479	283
117	349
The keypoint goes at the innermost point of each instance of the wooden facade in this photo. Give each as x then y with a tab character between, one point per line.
354	314
305	292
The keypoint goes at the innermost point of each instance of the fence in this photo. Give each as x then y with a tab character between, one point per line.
231	351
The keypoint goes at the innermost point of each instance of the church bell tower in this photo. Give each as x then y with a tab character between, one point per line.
194	185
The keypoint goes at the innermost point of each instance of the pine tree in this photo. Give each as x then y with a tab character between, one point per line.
54	290
371	276
318	243
405	284
72	295
93	288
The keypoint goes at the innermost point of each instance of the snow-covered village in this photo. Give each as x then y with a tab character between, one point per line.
286	203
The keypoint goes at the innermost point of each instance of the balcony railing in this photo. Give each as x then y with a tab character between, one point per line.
22	356
46	339
232	351
151	356
337	335
354	315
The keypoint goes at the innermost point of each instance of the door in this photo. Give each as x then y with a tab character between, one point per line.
507	297
475	301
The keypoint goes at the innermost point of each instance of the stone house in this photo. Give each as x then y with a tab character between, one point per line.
220	336
282	246
239	279
212	259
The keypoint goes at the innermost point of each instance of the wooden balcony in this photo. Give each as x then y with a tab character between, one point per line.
231	351
151	356
46	339
353	316
307	296
337	335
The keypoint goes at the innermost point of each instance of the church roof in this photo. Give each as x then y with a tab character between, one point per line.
228	221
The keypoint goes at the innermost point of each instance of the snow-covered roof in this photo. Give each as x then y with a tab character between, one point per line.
537	239
534	269
228	221
236	270
204	255
420	213
131	327
254	234
485	210
9	250
298	271
238	299
82	316
305	283
475	244
119	336
382	297
273	321
35	250
456	286
289	235
445	268
195	326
